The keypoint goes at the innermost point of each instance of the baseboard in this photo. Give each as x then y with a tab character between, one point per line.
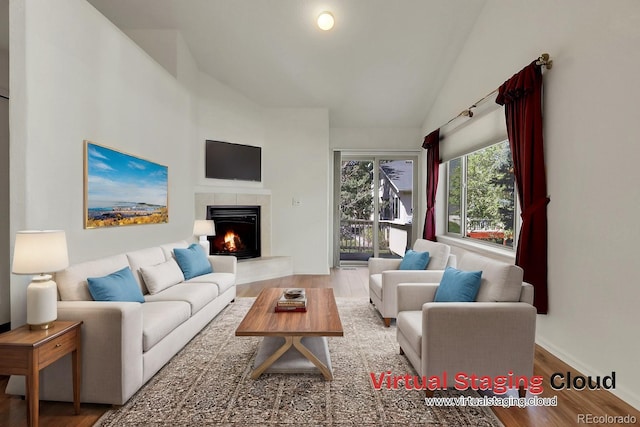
5	327
622	393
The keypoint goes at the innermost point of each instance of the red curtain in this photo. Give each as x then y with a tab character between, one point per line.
432	145
522	99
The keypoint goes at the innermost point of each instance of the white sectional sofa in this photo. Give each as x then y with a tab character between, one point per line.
125	343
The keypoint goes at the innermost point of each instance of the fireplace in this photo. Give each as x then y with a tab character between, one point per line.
237	231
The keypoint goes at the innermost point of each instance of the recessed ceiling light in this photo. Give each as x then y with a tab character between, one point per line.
325	21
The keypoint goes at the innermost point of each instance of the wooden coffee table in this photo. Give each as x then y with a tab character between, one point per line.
304	333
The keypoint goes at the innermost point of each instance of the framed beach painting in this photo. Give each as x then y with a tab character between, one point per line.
121	189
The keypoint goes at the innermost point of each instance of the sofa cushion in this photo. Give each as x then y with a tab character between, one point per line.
409	324
224	281
501	282
458	286
72	281
167	249
196	294
375	284
413	260
117	286
162	276
144	258
438	253
192	261
160	318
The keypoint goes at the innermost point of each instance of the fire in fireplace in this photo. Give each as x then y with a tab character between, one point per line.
237	231
232	242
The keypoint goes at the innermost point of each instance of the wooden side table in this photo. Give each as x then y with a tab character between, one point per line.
26	352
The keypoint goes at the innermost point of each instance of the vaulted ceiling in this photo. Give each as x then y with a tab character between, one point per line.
380	66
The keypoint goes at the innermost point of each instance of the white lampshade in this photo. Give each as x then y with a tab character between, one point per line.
204	227
40	252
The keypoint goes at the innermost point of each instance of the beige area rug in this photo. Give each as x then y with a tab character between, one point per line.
208	383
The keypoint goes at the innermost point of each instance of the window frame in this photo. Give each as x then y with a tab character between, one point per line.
517	222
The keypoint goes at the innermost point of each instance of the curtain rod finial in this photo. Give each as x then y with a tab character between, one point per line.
544	60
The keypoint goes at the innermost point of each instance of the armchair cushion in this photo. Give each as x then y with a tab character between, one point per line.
458	286
501	282
438	253
413	260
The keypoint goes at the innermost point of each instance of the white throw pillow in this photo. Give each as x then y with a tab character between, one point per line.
162	276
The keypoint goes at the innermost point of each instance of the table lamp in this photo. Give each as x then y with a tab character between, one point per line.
203	228
39	253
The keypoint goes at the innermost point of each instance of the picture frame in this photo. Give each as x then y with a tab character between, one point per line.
122	189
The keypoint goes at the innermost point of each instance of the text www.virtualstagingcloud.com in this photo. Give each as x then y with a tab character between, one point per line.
505	402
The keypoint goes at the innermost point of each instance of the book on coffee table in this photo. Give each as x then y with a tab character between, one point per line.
282	309
292	297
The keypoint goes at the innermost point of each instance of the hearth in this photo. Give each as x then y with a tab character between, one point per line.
237	231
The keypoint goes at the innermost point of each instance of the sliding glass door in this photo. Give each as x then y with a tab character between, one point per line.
375	201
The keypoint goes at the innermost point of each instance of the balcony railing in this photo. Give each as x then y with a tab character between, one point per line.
356	239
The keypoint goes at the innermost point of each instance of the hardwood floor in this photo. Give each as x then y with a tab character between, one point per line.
353	282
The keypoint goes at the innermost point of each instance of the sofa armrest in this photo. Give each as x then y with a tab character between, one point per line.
391	279
378	265
411	296
488	335
223	263
112	368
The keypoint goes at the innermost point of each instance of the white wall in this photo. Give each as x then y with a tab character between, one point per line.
376	138
297	159
88	82
225	115
592	151
161	45
5	251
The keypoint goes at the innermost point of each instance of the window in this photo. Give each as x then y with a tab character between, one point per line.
481	201
396	207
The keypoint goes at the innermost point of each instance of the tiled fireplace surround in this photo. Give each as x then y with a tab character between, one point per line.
265	267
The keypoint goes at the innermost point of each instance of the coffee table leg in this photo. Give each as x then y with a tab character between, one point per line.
288	341
297	343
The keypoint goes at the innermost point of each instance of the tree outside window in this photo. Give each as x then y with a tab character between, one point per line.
481	195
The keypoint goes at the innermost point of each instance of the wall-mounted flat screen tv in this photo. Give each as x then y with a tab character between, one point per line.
224	160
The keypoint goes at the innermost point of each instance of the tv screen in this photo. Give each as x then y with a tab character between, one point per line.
224	160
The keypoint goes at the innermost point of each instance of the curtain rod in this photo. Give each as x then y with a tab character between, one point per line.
542	60
5	97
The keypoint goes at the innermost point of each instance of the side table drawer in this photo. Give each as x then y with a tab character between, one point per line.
56	348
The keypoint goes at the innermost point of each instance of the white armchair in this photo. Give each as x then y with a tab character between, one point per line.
385	276
491	337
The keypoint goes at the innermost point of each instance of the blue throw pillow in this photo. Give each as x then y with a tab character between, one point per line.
118	286
193	261
414	260
458	286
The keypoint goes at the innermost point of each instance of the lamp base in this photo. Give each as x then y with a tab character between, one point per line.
204	242
42	302
42	327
